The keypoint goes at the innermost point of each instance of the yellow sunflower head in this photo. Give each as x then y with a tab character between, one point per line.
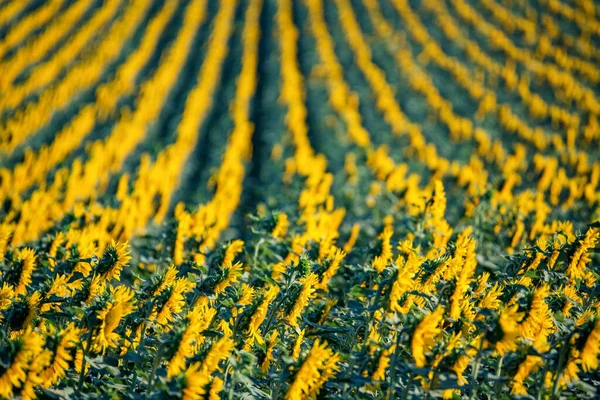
108	318
114	258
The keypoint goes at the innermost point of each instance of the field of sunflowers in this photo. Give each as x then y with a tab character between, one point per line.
290	199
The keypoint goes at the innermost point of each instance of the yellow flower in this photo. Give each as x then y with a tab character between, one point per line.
425	334
538	323
264	366
576	267
248	293
5	234
68	338
96	287
334	265
509	323
490	299
34	376
461	364
384	362
320	365
56	243
281	227
15	375
270	293
437	208
234	248
572	296
114	258
309	284
6	295
220	350
352	239
199	319
26	309
233	274
183	228
26	260
174	303
121	305
298	345
571	372
60	288
459	298
384	257
529	365
591	349
167	280
216	387
198	375
404	281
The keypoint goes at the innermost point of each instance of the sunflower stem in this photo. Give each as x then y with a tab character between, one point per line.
391	390
476	371
274	312
497	386
86	349
559	367
139	346
407	387
542	382
155	364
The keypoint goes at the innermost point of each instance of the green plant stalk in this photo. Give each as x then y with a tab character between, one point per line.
407	388
498	386
155	364
139	346
233	379
86	349
393	370
559	367
273	313
476	371
542	387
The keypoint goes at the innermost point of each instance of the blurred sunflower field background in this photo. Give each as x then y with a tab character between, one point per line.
290	199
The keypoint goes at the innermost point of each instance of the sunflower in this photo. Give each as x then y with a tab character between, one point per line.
425	334
110	316
382	260
404	282
334	265
26	263
298	345
309	284
509	325
20	352
22	313
320	365
216	387
174	303
35	374
270	292
591	349
198	375
199	319
234	248
115	257
66	340
59	288
464	359
281	227
528	366
5	234
233	275
266	363
6	295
